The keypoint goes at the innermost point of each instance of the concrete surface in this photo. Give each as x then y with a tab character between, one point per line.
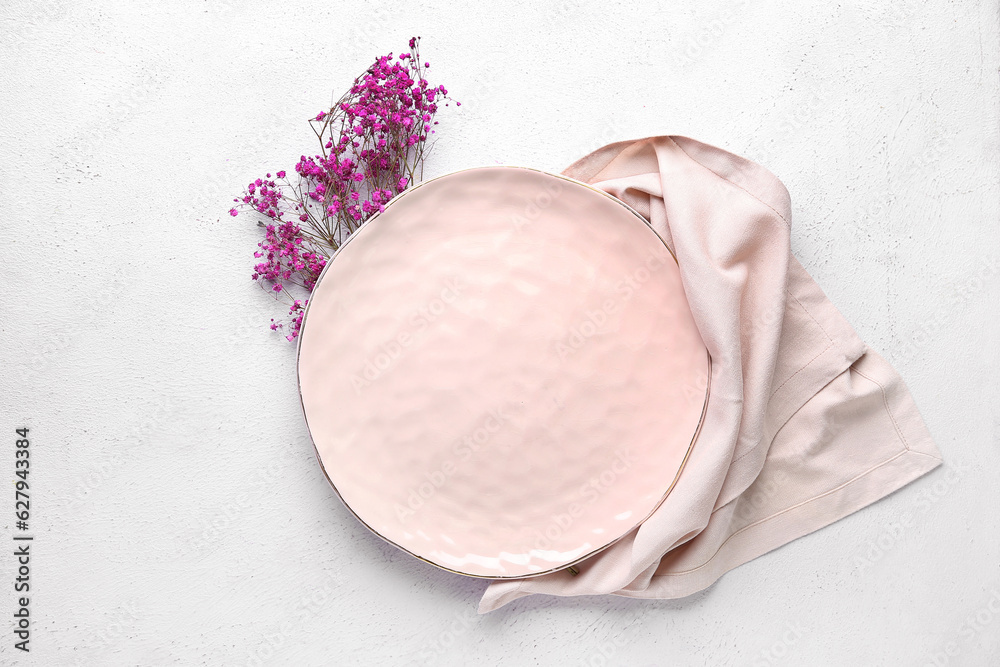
178	512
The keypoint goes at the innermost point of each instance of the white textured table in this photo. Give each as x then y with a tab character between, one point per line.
179	514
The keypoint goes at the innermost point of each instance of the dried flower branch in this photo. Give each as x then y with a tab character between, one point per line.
373	143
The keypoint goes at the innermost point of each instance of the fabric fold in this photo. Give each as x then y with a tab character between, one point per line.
805	424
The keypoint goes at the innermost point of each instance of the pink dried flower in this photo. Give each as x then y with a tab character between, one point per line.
373	143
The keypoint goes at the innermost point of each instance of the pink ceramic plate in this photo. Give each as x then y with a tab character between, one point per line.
501	373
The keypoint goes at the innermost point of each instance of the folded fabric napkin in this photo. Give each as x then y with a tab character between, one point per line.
805	424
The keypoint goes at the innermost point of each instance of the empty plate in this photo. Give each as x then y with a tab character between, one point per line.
500	373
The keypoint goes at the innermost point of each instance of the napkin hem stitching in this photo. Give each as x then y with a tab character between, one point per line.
696	161
885	401
804	366
789	509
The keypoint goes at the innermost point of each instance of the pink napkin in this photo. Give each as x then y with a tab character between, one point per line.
805	423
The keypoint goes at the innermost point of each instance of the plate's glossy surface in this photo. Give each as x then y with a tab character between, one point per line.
501	373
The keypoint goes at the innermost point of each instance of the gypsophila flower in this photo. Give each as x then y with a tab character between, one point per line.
373	143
